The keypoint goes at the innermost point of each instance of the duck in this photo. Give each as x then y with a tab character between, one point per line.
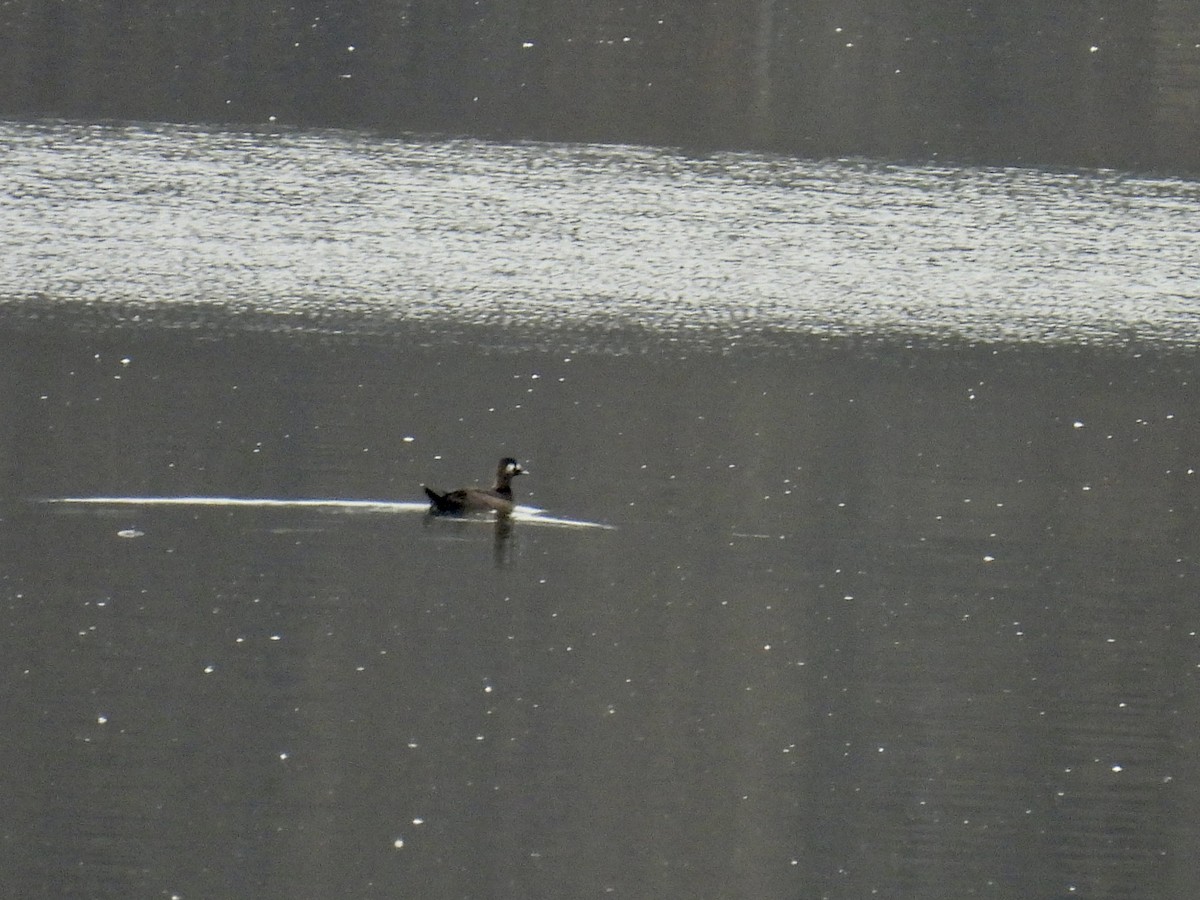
498	499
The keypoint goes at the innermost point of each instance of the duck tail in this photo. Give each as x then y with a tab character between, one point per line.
436	500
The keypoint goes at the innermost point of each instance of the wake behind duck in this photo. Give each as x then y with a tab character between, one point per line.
530	515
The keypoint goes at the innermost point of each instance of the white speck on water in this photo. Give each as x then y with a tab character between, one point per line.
1117	767
1076	424
102	720
209	669
130	533
408	439
283	757
398	843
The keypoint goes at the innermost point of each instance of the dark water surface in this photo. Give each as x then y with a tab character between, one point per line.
899	598
874	621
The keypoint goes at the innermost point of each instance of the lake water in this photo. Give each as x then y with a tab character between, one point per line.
896	596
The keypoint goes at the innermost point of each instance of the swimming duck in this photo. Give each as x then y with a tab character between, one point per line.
473	499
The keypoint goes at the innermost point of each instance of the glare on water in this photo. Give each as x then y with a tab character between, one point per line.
350	231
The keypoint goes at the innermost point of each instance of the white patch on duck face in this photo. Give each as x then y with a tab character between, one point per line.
513	468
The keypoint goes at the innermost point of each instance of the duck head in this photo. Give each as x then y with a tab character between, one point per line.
508	469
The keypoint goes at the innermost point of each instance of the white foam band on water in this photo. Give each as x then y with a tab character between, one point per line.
530	514
380	505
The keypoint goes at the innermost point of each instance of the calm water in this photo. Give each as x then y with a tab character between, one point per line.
901	464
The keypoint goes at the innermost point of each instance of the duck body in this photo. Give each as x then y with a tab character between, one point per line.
497	499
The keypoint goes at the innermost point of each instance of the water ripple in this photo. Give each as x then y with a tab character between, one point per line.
345	231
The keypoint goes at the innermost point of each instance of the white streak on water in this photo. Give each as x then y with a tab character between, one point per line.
531	515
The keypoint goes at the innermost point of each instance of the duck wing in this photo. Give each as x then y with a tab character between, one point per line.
481	500
468	500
